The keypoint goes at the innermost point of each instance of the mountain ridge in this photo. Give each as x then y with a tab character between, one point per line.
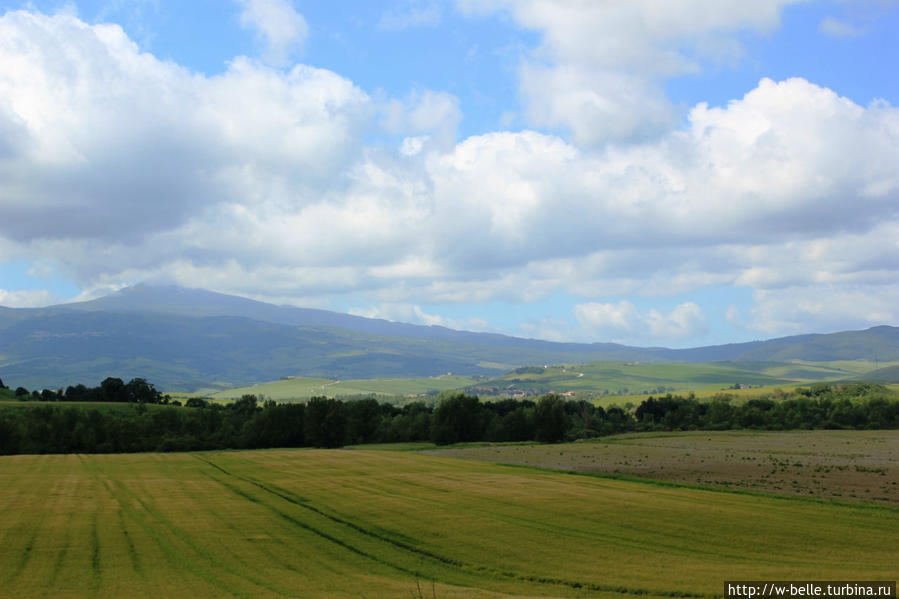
183	338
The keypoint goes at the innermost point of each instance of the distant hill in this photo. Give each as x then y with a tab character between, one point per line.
877	343
182	339
887	375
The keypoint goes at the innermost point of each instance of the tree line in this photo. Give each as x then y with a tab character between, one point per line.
456	417
112	389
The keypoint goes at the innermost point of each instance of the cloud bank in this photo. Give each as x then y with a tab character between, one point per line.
118	166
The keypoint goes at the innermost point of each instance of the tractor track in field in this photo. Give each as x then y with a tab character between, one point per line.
23	492
61	554
417	551
95	554
167	546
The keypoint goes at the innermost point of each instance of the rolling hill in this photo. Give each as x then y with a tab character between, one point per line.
183	339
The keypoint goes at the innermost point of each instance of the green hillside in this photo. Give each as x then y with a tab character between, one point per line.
591	380
304	388
887	375
633	378
185	340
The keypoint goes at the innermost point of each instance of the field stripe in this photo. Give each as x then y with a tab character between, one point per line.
95	553
659	545
176	556
129	542
61	555
406	547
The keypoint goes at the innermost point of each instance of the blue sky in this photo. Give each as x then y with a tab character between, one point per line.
697	172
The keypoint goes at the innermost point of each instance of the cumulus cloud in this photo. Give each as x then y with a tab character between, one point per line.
769	166
684	321
280	28
599	69
413	314
435	114
261	179
622	322
28	298
802	308
118	145
609	320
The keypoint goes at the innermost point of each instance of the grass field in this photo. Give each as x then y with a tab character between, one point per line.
299	389
603	383
341	523
631	380
98	405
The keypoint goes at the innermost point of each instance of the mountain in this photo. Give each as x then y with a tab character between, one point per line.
183	339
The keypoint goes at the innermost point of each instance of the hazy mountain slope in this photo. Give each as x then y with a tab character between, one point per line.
877	343
202	303
182	352
186	338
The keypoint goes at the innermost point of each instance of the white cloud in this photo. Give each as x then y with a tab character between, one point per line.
261	179
825	308
599	69
413	314
623	323
609	320
424	112
28	298
769	168
684	321
119	146
281	29
413	145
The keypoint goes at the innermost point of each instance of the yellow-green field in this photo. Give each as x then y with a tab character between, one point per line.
303	388
340	523
603	383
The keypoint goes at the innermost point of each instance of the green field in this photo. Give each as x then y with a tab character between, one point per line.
601	382
629	380
340	523
304	388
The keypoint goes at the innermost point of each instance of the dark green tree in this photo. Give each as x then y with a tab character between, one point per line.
458	418
550	419
324	422
140	391
113	389
363	419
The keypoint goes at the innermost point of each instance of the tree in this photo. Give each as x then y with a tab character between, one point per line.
550	419
245	406
113	389
518	424
457	419
140	391
324	422
363	418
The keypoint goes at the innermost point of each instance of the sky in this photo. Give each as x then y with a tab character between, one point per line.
678	173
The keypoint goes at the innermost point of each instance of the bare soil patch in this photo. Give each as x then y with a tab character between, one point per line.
846	465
